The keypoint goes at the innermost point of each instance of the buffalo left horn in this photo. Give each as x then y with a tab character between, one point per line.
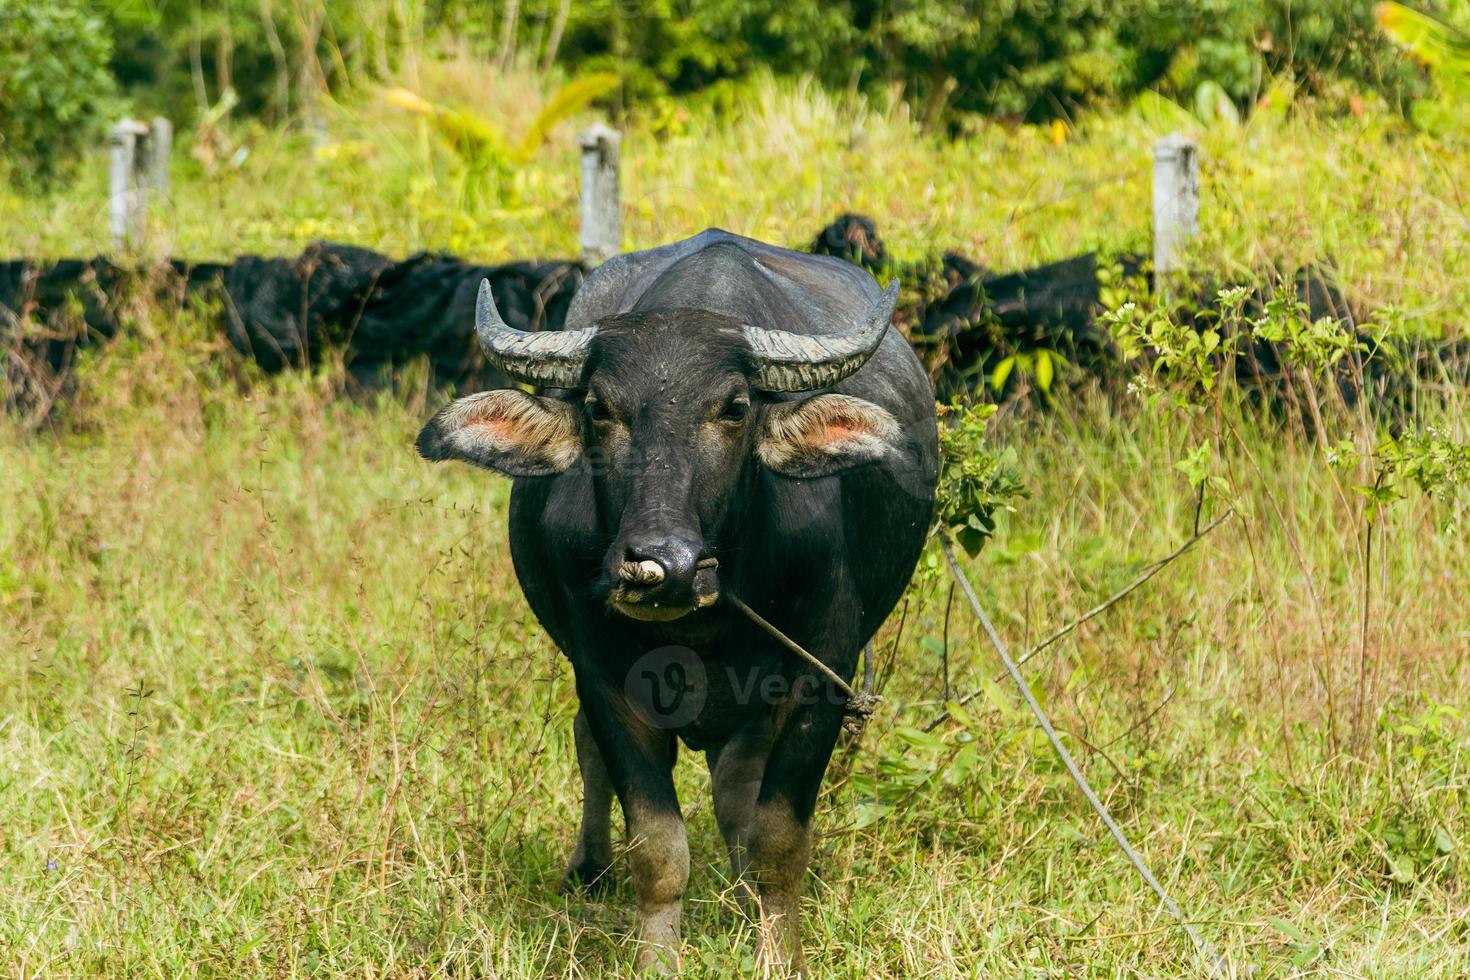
804	362
550	358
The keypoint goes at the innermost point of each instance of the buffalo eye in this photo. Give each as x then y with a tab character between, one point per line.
735	410
598	411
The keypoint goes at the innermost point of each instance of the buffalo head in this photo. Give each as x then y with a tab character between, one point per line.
672	414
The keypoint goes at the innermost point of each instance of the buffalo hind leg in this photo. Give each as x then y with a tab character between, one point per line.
780	831
780	851
736	768
587	867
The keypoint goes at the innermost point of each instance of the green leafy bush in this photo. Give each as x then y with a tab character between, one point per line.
54	81
975	480
949	59
1001	58
1445	51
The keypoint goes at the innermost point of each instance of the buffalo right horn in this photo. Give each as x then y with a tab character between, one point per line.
550	358
788	361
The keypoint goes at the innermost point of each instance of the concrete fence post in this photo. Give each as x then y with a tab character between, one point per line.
1176	200
602	213
125	210
160	151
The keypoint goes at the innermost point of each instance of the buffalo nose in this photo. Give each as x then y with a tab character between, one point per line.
664	565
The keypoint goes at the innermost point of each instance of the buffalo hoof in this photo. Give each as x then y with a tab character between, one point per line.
586	878
658	961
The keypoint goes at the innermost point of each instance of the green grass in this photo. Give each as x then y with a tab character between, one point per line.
271	702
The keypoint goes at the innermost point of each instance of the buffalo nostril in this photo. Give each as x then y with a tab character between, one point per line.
663	564
646	572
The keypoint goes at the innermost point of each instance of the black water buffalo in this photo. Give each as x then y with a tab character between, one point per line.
721	416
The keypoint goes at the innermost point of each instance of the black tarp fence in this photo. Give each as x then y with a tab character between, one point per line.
381	313
280	312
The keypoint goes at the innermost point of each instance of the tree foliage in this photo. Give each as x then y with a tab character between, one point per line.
1010	58
54	80
1446	52
950	59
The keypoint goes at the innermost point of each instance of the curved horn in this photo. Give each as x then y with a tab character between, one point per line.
551	358
804	362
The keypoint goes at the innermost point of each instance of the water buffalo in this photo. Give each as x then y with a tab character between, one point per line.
719	416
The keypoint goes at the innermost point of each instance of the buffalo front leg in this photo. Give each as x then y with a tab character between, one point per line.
639	761
587	867
658	856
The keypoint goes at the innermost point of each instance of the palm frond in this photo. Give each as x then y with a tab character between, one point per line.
569	100
1433	42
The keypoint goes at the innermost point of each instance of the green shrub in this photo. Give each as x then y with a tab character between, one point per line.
950	59
55	87
1005	58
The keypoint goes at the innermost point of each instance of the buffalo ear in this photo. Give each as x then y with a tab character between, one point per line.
825	434
505	430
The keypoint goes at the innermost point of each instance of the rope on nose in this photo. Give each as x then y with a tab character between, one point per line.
646	572
860	704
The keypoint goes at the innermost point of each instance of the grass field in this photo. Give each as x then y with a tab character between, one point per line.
271	702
